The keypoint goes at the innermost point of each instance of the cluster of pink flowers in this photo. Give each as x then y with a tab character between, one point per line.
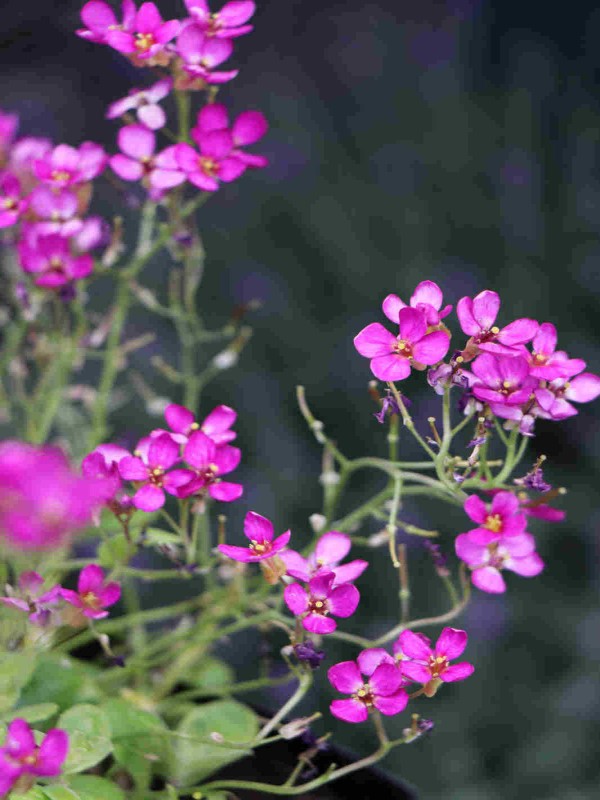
190	49
45	193
43	501
516	383
22	761
188	460
414	660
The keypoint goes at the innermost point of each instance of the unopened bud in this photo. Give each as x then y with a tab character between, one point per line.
225	359
317	522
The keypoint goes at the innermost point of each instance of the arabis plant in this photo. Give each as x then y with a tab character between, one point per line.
101	696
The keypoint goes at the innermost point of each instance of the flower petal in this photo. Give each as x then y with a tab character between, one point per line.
457	672
451	643
485	308
200	450
488	579
368	660
345	677
374	340
391	704
413	324
91	579
149	498
332	547
415	645
258	528
432	347
317	623
344	600
386	679
52	753
349	710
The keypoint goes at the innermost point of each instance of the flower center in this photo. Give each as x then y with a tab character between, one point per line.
316	606
486	335
156	476
539	358
493	522
60	176
9	203
209	166
506	387
365	695
91	600
143	42
402	348
437	665
260	547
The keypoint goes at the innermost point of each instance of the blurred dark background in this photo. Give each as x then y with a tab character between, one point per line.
456	141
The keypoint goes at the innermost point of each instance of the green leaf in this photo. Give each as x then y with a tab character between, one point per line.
15	670
36	713
89	737
34	793
139	739
156	537
195	756
91	787
115	551
209	674
61	680
58	792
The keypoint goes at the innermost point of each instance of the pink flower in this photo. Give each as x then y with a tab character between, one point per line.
21	760
262	545
515	553
216	425
69	166
49	258
200	54
321	599
392	356
504	518
93	595
228	23
331	548
23	157
137	161
145	102
30	599
248	128
103	462
43	502
209	461
12	202
430	666
383	690
102	25
58	207
546	361
504	380
8	128
143	36
554	398
148	470
427	298
477	317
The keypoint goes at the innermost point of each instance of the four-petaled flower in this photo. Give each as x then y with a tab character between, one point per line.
217	425
322	599
145	103
137	161
515	553
200	54
331	548
209	462
30	599
262	545
149	469
93	595
430	666
504	517
393	356
382	691
228	23
477	317
427	298
22	760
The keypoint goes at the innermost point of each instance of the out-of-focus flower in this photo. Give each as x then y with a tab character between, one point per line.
93	595
260	531
427	298
101	22
217	425
322	599
431	666
49	258
382	691
201	54
22	761
137	161
145	103
43	502
393	356
28	597
555	396
515	553
12	202
228	23
331	548
69	166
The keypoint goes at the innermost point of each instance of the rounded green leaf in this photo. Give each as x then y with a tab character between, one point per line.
140	739
195	756
91	787
36	713
89	737
15	670
209	674
60	793
61	680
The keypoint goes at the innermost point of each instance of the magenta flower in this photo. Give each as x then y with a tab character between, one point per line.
321	600
209	461
228	23
49	258
8	128
216	425
200	54
248	128
69	166
58	207
427	298
148	471
103	462
93	595
392	356
145	103
12	202
331	548
515	553
43	502
137	161
477	317
23	156
504	380
143	36
22	761
554	398
383	690
503	518
262	545
546	361
430	666
101	22
29	598
214	163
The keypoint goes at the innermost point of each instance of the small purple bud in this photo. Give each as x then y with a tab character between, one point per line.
67	292
183	238
534	480
306	651
390	406
477	441
458	477
439	559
